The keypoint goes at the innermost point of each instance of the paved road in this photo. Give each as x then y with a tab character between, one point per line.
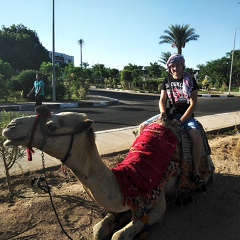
135	108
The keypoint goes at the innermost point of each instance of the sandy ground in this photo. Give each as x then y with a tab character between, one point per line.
212	216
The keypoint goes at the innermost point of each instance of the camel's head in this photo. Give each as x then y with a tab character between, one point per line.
18	131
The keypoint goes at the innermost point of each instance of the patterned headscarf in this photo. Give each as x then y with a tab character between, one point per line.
175	58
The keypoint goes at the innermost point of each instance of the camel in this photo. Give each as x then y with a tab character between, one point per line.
69	137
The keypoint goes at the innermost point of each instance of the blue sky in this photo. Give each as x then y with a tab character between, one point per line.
119	32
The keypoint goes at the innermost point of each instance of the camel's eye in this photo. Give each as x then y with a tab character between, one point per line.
51	126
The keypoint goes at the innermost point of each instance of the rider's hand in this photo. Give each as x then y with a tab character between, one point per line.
176	122
141	127
162	116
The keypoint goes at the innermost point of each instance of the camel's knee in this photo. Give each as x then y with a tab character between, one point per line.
113	221
129	231
155	215
104	229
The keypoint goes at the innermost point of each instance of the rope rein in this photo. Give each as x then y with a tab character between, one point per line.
42	181
45	187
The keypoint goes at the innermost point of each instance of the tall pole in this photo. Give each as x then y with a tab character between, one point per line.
53	58
230	80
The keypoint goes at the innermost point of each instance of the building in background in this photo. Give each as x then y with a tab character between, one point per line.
62	59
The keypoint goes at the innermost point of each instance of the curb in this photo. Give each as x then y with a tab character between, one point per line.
215	95
31	106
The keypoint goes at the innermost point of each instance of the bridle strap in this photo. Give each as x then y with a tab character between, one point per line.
36	122
69	150
29	146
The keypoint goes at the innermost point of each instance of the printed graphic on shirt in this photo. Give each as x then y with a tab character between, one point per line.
181	91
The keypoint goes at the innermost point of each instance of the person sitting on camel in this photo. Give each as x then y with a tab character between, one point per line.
181	90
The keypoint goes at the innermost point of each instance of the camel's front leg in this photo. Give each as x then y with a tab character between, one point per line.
155	215
105	228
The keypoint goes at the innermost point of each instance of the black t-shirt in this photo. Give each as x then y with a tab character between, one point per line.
181	90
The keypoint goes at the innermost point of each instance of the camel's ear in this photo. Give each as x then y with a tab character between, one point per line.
85	125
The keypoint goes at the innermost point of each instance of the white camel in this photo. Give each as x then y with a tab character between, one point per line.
69	136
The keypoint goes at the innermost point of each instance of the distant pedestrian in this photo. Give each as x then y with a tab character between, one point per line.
38	90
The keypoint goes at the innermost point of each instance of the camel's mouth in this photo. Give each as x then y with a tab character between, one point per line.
7	143
15	142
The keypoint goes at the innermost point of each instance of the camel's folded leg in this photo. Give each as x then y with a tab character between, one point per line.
155	215
105	228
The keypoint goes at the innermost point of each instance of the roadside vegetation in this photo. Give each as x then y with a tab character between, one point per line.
18	66
11	154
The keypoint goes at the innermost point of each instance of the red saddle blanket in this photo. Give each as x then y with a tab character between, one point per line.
147	161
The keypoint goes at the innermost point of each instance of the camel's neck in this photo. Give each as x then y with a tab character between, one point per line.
88	167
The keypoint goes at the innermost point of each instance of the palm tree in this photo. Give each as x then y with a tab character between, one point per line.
81	42
178	36
165	57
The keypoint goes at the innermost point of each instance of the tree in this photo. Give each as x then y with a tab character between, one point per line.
76	81
154	70
164	58
178	36
6	73
126	77
217	71
99	73
21	48
85	64
9	155
24	82
47	70
81	42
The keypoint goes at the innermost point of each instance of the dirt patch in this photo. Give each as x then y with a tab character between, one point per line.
215	215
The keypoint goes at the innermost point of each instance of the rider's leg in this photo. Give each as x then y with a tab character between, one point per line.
147	122
193	129
196	149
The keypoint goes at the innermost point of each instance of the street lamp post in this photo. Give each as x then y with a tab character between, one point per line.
53	58
230	80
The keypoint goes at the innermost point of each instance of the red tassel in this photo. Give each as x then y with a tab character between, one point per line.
29	153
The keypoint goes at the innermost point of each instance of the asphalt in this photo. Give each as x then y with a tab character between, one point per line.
109	141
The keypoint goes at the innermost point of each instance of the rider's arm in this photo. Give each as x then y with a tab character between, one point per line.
192	106
162	102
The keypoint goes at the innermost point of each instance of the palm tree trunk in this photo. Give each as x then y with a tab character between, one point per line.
81	54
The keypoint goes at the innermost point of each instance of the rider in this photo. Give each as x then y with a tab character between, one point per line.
181	90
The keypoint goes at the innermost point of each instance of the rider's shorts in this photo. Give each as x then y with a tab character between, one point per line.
191	123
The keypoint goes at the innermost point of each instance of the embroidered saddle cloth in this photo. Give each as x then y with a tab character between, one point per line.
147	161
154	158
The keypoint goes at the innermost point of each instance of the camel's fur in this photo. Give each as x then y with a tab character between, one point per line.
88	167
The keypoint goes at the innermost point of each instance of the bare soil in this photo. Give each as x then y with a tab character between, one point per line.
212	216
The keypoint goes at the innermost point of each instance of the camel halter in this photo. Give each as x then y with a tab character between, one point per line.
36	122
41	117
